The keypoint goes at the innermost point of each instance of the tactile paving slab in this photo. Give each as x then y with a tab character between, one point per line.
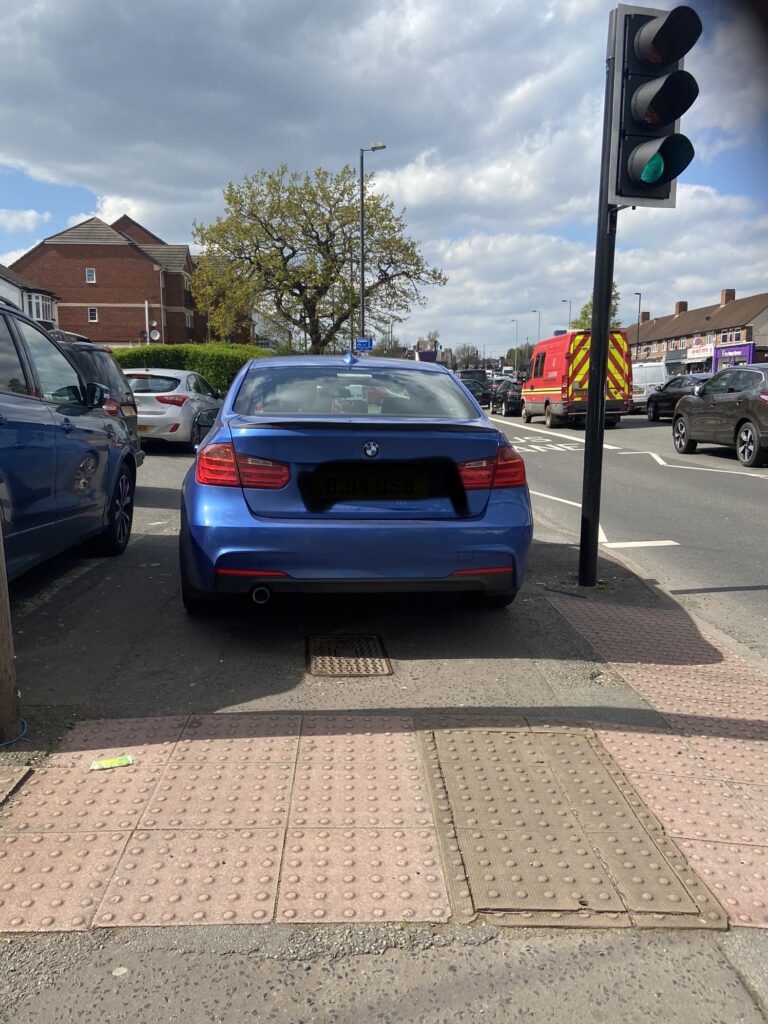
238	738
77	800
220	796
736	760
10	779
755	798
495	745
347	656
491	794
653	752
645	880
700	809
541	870
55	882
348	875
150	741
736	874
387	796
382	739
194	877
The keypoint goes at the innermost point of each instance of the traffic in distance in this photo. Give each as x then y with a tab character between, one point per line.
309	467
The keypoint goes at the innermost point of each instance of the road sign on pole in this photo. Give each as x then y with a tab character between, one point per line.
363	344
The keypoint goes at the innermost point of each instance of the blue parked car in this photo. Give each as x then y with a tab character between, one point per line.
67	468
335	475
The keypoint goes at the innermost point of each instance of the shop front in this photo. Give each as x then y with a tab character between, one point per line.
734	355
698	358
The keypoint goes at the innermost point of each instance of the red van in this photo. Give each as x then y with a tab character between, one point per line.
558	379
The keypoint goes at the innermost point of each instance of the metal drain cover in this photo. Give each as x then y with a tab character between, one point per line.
347	656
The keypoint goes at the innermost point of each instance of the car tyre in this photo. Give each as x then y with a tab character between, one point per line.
113	540
652	412
684	444
748	450
526	416
550	420
612	421
505	410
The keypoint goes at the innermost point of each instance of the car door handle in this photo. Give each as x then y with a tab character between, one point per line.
67	426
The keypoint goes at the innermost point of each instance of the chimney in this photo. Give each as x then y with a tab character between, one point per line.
644	318
727	295
681	307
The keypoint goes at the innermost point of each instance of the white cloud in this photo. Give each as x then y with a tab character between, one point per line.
22	220
7	258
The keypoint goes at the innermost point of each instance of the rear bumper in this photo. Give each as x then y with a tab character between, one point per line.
223	548
578	410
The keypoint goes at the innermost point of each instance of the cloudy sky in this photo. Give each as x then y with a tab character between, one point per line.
491	113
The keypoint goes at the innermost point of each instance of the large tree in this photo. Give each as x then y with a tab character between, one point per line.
288	249
583	322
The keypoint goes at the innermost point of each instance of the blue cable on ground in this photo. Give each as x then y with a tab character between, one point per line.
21	735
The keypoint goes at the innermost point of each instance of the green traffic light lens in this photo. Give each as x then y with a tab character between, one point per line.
653	170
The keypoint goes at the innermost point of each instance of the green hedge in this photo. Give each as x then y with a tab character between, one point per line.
218	363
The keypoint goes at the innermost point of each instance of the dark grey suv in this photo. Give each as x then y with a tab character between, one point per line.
730	409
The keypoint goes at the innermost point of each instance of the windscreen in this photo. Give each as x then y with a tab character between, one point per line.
370	391
147	384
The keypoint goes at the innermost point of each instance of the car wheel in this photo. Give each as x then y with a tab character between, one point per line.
612	421
748	450
525	414
505	410
549	419
684	445
652	412
113	540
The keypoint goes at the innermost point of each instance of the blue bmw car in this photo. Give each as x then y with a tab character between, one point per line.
334	475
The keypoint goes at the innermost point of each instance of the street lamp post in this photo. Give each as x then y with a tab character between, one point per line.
569	311
538	333
637	339
371	149
515	323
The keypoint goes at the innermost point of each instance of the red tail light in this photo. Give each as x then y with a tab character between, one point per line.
111	407
506	470
221	466
564	386
263	473
216	465
171	399
763	396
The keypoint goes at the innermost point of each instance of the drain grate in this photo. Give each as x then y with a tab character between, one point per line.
347	656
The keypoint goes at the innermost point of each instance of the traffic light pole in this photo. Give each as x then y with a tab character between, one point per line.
598	356
10	719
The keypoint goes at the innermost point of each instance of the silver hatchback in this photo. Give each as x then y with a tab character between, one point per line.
171	404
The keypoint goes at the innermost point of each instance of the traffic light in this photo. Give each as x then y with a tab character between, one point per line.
651	92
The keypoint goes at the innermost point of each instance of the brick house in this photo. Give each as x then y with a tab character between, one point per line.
37	302
707	339
116	281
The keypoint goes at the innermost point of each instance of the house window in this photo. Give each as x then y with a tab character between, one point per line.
654	347
737	334
664	346
93	315
40	306
90	275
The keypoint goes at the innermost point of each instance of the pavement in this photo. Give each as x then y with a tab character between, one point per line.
554	809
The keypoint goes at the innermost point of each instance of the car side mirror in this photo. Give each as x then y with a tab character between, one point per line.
96	395
217	394
698	389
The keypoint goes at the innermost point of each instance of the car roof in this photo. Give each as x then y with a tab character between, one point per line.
161	371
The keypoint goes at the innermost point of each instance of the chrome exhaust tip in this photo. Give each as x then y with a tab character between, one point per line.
261	595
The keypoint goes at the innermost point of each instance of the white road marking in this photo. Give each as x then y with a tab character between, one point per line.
543	430
642	544
699	469
564	501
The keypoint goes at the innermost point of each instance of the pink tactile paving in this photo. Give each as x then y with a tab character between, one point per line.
735	760
220	796
753	797
347	739
736	874
700	809
180	877
368	795
149	740
653	752
239	738
722	726
78	800
361	875
10	779
55	882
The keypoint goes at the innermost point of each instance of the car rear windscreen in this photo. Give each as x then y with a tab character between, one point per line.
370	391
149	384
